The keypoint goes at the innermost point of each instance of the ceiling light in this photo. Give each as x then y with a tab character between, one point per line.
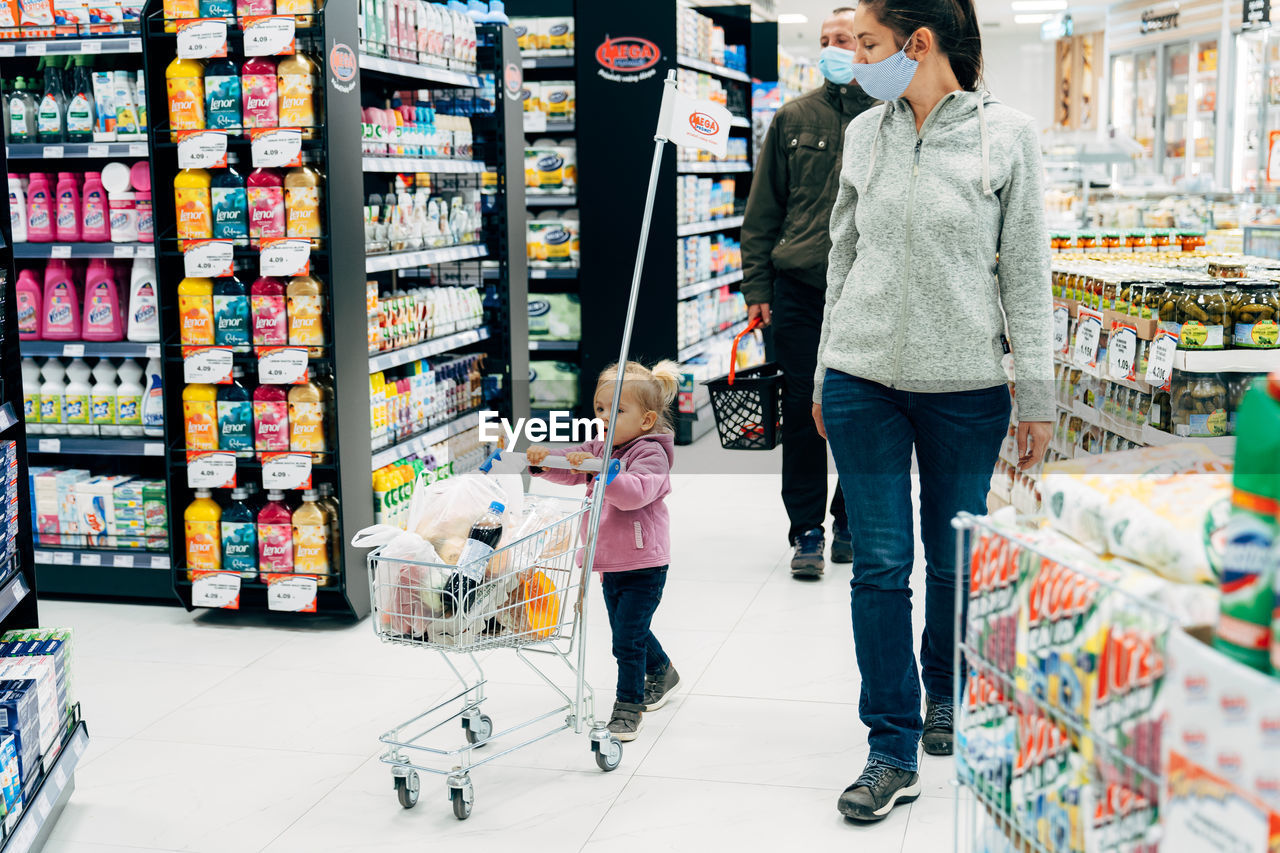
1039	5
1031	19
796	18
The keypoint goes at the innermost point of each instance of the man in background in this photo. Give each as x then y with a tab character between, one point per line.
785	243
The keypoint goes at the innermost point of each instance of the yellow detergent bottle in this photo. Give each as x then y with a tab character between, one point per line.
193	206
179	10
200	418
184	80
204	541
195	309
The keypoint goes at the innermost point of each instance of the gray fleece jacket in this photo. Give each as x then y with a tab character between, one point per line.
916	299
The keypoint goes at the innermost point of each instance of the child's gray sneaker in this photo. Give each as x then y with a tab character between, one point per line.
627	720
658	687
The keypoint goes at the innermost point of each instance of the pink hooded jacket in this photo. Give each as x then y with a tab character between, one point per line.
635	529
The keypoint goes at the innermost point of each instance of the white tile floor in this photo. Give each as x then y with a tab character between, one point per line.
227	732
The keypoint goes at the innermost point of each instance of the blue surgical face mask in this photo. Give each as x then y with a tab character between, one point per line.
887	79
836	64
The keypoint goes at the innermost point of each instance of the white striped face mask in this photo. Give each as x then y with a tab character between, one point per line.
887	79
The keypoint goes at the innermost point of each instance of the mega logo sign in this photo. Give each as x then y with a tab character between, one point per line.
627	59
704	124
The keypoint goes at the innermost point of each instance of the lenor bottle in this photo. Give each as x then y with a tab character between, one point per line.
230	202
194	206
270	325
240	536
235	416
266	206
258	83
184	79
222	93
296	83
201	521
275	535
231	317
311	539
200	416
306	313
302	204
270	418
195	311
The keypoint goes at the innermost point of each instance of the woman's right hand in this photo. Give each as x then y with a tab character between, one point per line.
536	455
817	420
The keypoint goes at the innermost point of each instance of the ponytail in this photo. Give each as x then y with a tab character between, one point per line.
954	23
654	389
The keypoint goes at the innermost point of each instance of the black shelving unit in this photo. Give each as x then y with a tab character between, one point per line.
613	151
351	78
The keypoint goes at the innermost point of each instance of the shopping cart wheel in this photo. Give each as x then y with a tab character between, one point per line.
608	753
407	789
478	730
462	799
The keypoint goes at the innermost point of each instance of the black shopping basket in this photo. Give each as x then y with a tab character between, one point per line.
748	404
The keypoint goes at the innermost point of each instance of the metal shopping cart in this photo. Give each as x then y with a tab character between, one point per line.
533	598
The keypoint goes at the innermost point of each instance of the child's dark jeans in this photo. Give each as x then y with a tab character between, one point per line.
632	597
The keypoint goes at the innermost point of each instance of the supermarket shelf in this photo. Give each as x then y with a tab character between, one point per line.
59	47
432	165
691	290
93	445
536	199
424	257
553	346
1222	445
559	127
96	559
426	349
553	272
740	121
1227	361
44	806
423	441
397	68
76	349
712	68
726	223
549	61
712	168
40	151
12	592
701	346
84	250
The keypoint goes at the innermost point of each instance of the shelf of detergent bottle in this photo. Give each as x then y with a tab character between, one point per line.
93	445
84	250
65	150
64	46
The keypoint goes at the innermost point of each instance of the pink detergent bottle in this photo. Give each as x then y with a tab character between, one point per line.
61	306
270	418
67	225
95	226
275	535
266	205
261	101
40	209
29	298
267	299
102	318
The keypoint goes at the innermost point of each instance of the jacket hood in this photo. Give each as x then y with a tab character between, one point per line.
665	440
954	109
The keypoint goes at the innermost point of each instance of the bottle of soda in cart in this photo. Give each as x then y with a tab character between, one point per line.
481	542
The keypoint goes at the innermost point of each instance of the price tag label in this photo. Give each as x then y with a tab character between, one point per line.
58	251
286	470
1061	328
63	558
159	562
98	151
45	557
153	350
35	48
122	561
53	152
1160	355
145	251
210	470
207	364
215	589
202	149
59	776
285	257
535	122
1122	352
1088	338
88	559
135	46
537	273
153	448
49	445
276	147
122	251
137	149
291	593
91	46
72	350
270	35
202	38
6	50
282	366
209	258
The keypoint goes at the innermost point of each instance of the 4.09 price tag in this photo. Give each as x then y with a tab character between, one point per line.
202	149
215	589
276	147
286	471
291	593
202	38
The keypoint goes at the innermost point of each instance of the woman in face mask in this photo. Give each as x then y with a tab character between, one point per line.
939	264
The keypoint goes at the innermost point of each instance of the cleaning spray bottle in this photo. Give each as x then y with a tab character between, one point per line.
153	401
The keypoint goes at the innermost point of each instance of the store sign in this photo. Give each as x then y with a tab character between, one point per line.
207	364
208	258
282	365
1160	361
285	256
1061	327
1257	13
342	67
211	469
1159	20
627	59
276	147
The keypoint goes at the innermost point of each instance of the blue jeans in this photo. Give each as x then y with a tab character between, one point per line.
631	598
956	436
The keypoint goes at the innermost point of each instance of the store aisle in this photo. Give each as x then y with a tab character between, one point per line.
213	734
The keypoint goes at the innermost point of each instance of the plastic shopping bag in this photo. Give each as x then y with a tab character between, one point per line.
444	511
410	590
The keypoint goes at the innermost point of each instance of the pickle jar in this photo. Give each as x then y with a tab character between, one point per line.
1221	269
1057	283
1141	408
1135	240
1255	314
1152	294
1159	414
1086	241
1111	241
1095	298
1110	291
1205	323
1199	403
1160	240
1167	312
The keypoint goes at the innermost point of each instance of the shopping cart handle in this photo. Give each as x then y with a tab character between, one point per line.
615	468
588	466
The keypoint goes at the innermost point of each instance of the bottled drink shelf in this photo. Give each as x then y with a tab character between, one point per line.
422	441
424	257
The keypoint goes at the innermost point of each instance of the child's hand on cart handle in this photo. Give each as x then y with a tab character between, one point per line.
536	455
577	459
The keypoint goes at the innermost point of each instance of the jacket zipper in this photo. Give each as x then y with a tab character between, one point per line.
900	340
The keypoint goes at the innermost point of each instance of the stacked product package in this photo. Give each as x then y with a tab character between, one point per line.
35	676
9	497
75	508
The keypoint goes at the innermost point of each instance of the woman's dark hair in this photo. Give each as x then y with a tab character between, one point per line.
953	22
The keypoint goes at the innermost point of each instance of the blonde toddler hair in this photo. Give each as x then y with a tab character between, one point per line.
655	389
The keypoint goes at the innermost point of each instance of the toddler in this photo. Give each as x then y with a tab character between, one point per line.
633	547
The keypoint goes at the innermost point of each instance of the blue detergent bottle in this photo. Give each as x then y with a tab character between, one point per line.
235	415
222	95
231	315
230	202
240	536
